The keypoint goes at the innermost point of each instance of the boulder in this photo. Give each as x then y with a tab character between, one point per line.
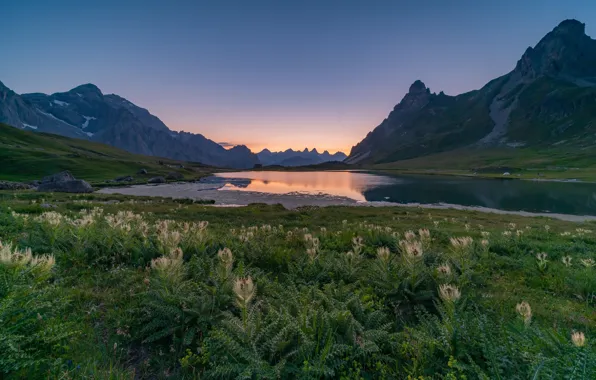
74	186
142	171
7	185
59	177
157	180
174	176
64	182
125	178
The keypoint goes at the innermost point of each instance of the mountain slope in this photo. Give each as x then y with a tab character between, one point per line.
25	155
290	157
85	112
548	98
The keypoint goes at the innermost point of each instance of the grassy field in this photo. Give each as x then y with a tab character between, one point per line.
148	288
526	163
26	156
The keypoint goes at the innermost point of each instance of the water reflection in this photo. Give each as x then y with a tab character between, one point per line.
345	184
513	195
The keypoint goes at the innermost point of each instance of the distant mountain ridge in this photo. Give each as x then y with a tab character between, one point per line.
291	157
548	98
86	113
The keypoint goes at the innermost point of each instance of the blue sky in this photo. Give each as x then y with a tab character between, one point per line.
276	74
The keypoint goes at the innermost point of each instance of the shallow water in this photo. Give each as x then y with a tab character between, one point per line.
501	194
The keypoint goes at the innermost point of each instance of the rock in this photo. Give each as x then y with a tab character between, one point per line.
59	177
7	185
174	176
126	178
506	173
64	182
157	180
34	183
142	171
74	186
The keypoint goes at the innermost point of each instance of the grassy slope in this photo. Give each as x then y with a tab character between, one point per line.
101	274
30	156
550	162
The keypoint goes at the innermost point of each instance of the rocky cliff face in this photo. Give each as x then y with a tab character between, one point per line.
548	98
85	112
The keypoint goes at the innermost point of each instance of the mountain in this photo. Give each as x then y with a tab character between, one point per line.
27	155
548	99
290	157
86	113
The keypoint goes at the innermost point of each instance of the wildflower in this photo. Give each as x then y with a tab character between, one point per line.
395	235
146	281
176	254
461	243
383	254
484	243
436	223
311	252
245	290
344	222
578	338
449	293
566	233
43	263
410	235
357	244
226	258
519	233
424	234
541	256
588	263
323	230
547	228
566	260
525	311
412	249
444	270
467	227
512	226
506	233
485	234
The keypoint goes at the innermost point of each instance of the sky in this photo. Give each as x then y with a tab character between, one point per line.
271	74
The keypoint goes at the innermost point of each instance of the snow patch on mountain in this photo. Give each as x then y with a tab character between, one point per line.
29	126
61	103
86	123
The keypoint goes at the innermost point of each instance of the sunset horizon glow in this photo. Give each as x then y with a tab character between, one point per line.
270	74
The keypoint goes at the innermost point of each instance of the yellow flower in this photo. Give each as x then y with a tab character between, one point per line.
449	293
444	269
525	311
245	290
578	338
226	257
383	254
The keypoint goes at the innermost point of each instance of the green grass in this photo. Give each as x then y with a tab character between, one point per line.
30	156
122	302
527	163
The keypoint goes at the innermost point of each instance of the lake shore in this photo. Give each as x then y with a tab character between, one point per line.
234	198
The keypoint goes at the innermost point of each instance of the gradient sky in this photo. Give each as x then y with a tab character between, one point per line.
276	74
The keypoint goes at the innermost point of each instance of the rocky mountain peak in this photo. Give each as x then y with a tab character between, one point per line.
418	87
86	89
571	27
565	52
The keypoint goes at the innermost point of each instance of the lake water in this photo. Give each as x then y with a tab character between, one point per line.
505	194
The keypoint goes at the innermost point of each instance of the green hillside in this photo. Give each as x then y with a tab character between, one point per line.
29	156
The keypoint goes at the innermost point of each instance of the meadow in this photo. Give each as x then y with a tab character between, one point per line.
110	287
